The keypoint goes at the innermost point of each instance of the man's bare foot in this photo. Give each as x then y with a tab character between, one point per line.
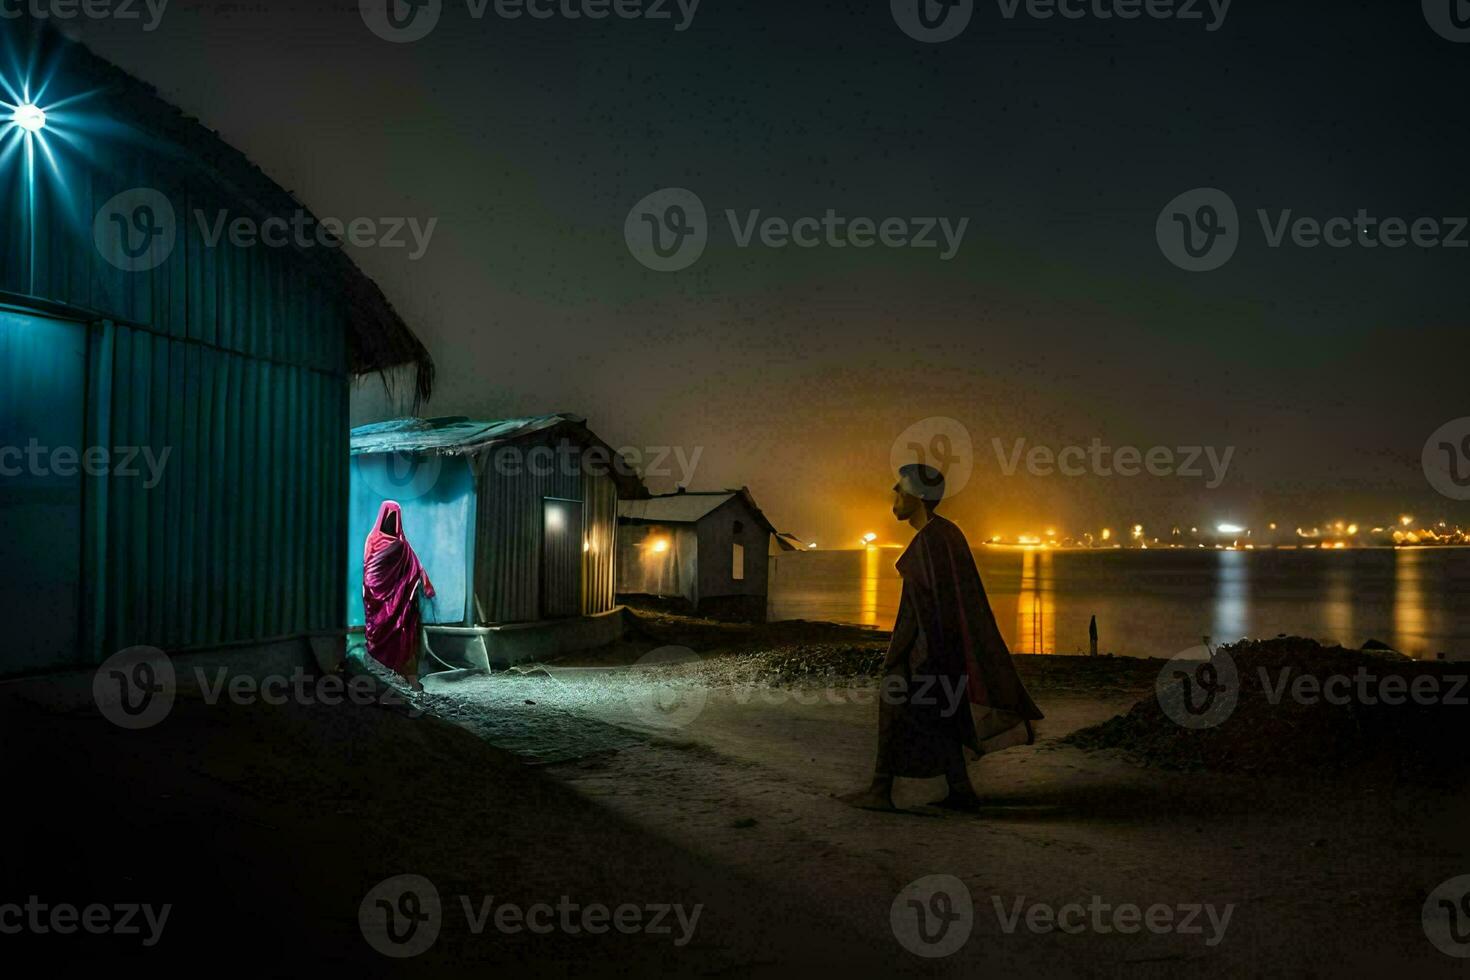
963	802
869	799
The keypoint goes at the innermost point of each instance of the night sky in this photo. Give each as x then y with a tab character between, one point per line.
1058	321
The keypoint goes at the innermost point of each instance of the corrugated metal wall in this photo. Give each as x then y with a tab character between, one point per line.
600	560
244	536
233	359
512	489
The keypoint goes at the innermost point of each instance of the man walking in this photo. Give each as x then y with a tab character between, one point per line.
949	685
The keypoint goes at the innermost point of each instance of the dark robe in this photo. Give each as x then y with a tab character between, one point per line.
949	682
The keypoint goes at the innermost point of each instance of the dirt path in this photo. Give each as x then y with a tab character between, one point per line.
1319	877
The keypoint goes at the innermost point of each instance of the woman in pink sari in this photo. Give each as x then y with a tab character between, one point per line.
391	575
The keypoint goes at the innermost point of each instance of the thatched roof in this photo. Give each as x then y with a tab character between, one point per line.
378	339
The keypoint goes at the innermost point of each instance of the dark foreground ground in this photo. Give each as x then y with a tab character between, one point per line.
265	828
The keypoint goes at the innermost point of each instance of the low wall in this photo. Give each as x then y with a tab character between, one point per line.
498	647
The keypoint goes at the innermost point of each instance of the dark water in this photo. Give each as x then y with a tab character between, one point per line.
1157	603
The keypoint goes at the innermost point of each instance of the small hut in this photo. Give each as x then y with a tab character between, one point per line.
515	522
707	549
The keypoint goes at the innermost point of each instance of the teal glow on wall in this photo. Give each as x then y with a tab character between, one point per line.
438	518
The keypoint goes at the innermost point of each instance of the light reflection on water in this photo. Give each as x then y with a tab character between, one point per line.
1156	603
1036	608
1232	596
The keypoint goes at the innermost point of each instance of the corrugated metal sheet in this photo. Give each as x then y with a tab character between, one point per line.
599	561
452	434
509	531
510	551
244	537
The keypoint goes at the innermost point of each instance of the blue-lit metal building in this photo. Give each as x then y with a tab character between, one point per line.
128	336
515	522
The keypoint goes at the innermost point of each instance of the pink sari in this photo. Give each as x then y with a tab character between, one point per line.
391	574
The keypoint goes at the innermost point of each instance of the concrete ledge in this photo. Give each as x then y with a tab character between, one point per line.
488	647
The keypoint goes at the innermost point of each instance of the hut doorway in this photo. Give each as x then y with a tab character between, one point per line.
43	372
561	557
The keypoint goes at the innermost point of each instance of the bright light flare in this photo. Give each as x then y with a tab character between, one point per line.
31	118
1229	528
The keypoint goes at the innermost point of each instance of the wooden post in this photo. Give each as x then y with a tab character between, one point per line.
1092	636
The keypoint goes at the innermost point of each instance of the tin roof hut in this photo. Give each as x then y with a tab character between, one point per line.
708	549
515	522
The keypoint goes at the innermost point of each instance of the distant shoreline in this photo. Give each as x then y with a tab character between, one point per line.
1173	547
